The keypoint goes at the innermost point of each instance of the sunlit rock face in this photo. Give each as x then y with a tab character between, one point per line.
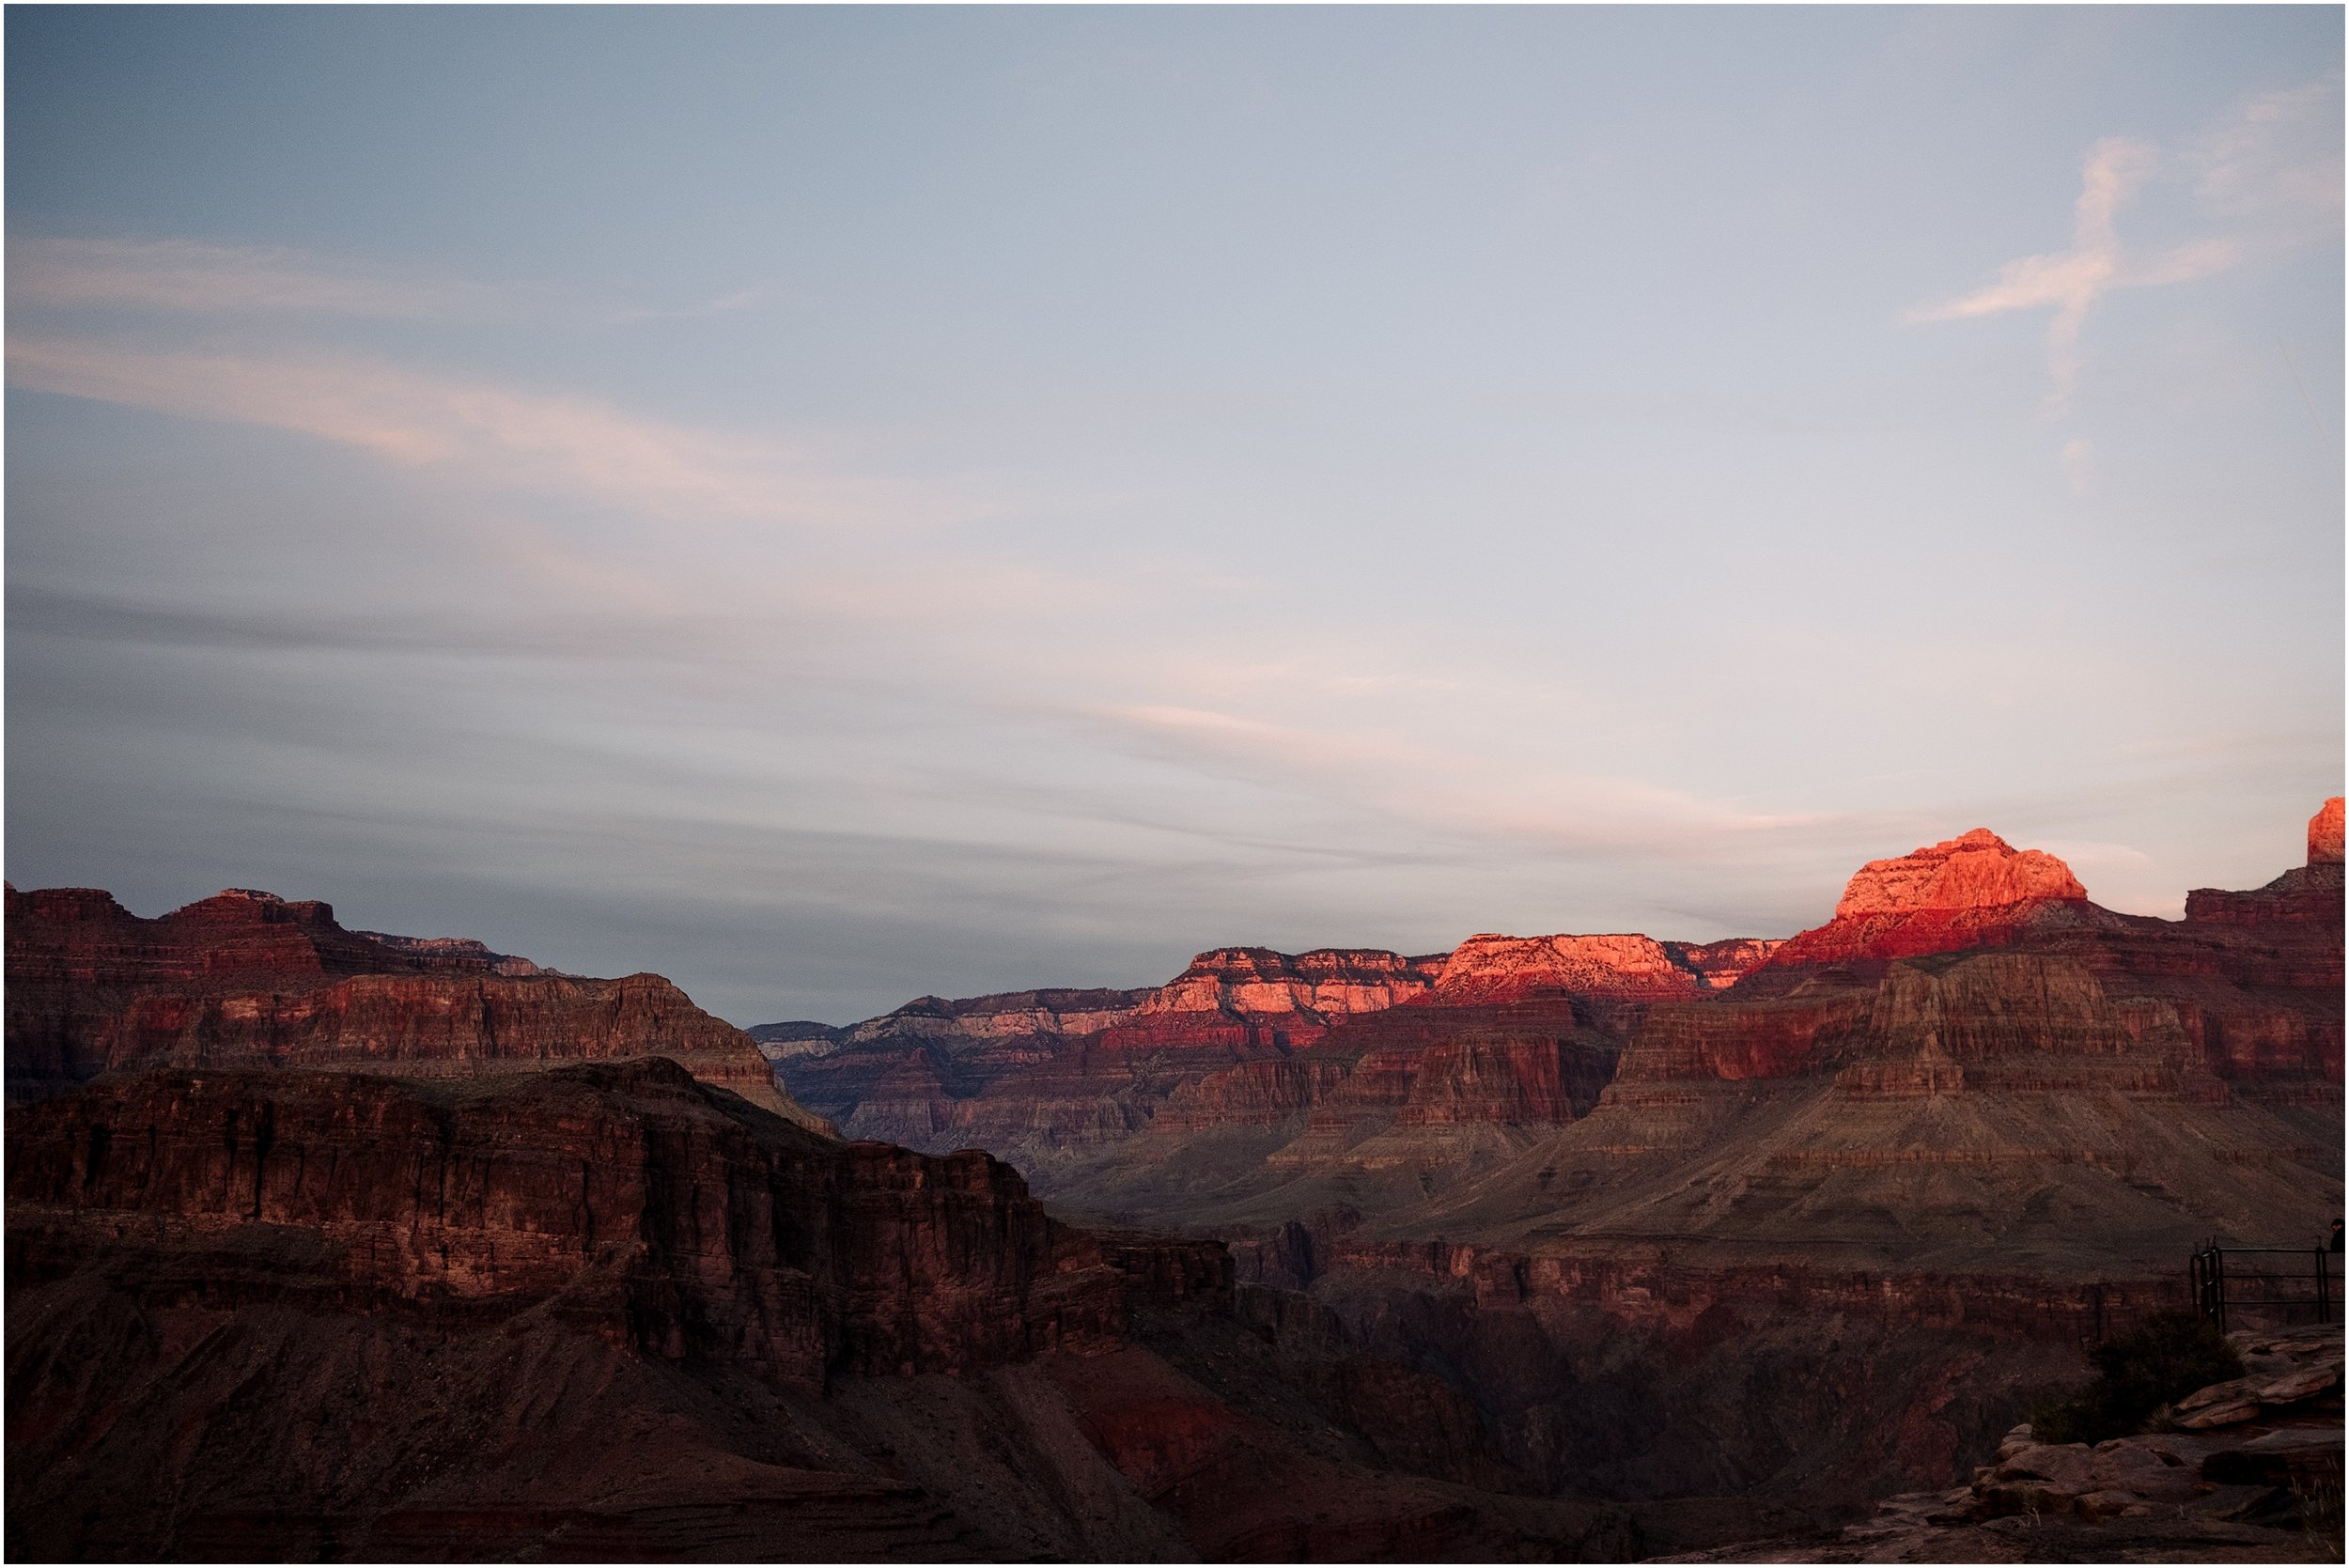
2307	897
1629	968
2325	834
1252	998
1966	891
249	979
1973	871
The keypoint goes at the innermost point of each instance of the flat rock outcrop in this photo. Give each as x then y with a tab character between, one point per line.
453	947
2231	1479
248	979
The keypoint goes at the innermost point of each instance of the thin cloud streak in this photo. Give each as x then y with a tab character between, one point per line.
187	276
1449	791
566	446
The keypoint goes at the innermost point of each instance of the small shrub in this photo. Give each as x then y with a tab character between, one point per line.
2163	1360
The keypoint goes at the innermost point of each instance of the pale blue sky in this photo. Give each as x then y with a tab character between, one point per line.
836	505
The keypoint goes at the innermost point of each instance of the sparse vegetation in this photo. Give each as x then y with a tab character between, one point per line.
2164	1359
2318	1499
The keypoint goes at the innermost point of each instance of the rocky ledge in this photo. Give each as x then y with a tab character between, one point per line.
2242	1472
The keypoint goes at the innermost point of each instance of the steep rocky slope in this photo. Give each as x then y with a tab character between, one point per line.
608	1311
245	979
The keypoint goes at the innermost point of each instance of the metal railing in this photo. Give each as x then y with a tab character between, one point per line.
2277	1285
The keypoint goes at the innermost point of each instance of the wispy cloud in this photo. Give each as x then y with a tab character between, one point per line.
186	276
1451	791
191	278
567	447
2271	172
2072	281
2276	161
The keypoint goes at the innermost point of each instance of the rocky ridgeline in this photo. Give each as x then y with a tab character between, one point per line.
1503	1030
248	979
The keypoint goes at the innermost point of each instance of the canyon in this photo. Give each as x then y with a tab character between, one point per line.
1582	1246
1625	1193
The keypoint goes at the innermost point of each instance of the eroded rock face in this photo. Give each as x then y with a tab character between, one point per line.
248	979
703	1230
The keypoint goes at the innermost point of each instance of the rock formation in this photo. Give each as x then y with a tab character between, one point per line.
1972	890
248	979
2325	834
1503	1031
1973	1098
1493	968
2240	1473
607	1312
1034	1074
1752	1226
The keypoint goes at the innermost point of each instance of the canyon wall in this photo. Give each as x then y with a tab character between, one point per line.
607	1312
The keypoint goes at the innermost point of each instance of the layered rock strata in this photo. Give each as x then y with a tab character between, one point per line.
248	979
2005	1124
1503	1031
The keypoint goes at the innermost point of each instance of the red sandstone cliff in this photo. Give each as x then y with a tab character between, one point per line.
248	979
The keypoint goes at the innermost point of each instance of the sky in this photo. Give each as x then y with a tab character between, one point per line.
836	504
